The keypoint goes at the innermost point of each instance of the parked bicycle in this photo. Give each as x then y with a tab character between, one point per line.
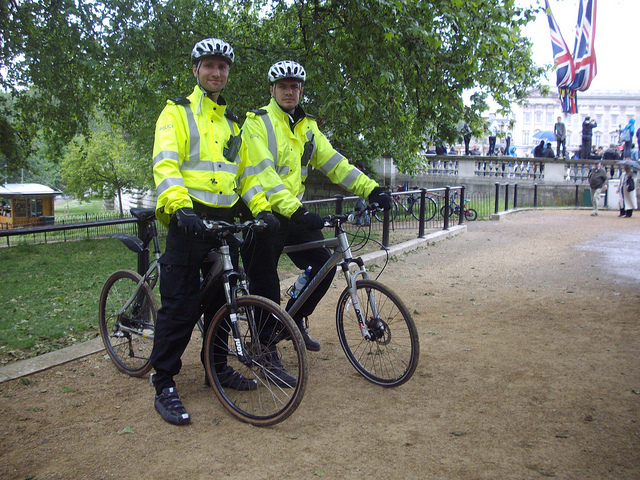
408	205
127	314
375	329
454	208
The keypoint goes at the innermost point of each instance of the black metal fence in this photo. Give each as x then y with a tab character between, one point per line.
412	211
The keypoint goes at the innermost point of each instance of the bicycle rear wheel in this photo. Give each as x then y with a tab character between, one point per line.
391	356
127	333
272	400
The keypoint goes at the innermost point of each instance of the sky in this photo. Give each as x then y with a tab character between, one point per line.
617	43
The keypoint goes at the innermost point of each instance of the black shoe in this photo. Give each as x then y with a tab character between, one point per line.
229	378
170	407
311	343
275	372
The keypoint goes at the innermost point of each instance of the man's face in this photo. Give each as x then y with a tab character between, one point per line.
213	73
287	93
559	119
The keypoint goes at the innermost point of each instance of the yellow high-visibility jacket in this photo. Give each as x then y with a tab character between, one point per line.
189	162
278	150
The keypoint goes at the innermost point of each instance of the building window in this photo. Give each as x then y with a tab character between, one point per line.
525	137
527	117
538	118
550	118
597	139
614	120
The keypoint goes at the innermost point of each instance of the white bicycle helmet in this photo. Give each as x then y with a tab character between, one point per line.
286	69
210	47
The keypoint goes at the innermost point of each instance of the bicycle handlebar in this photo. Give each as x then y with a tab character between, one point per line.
334	219
219	227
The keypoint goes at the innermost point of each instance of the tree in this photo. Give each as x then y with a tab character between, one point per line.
104	165
384	76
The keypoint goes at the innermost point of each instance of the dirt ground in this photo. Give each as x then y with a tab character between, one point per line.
528	369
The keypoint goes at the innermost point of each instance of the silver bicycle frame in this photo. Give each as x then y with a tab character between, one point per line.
341	256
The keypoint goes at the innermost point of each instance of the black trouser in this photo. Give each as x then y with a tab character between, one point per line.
586	148
563	144
260	255
181	266
467	139
492	145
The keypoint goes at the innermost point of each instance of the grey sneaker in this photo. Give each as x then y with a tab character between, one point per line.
170	407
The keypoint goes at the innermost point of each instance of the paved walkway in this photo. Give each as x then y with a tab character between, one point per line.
74	352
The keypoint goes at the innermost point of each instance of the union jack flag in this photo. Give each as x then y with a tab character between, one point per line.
565	72
584	55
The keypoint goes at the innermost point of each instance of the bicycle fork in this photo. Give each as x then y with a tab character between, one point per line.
351	279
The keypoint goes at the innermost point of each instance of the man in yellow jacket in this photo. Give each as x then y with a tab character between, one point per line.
287	143
200	173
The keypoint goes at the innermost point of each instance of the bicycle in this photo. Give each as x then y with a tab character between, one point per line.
128	310
375	329
454	208
409	204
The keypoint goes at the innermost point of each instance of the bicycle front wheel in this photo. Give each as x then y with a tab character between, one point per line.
127	332
271	344
390	356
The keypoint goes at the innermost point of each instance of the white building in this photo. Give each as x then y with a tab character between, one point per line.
611	110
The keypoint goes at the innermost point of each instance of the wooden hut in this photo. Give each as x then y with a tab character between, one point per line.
26	204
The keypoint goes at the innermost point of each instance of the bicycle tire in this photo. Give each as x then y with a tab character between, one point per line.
390	359
268	403
470	214
430	209
127	337
393	213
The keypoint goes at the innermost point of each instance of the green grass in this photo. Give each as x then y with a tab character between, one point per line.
49	293
73	207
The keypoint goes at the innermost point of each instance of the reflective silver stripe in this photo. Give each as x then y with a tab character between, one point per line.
350	178
257	169
166	155
213	198
272	142
274	190
167	183
208	166
331	163
304	172
282	169
194	141
252	192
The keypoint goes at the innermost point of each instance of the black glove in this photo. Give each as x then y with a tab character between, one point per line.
312	221
189	222
273	224
382	198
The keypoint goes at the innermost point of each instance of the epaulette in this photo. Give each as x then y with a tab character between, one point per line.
259	111
180	100
231	116
311	116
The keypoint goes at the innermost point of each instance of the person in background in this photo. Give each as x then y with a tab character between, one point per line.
634	153
598	182
627	190
560	132
587	133
538	152
287	142
466	135
196	178
493	132
626	135
548	151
